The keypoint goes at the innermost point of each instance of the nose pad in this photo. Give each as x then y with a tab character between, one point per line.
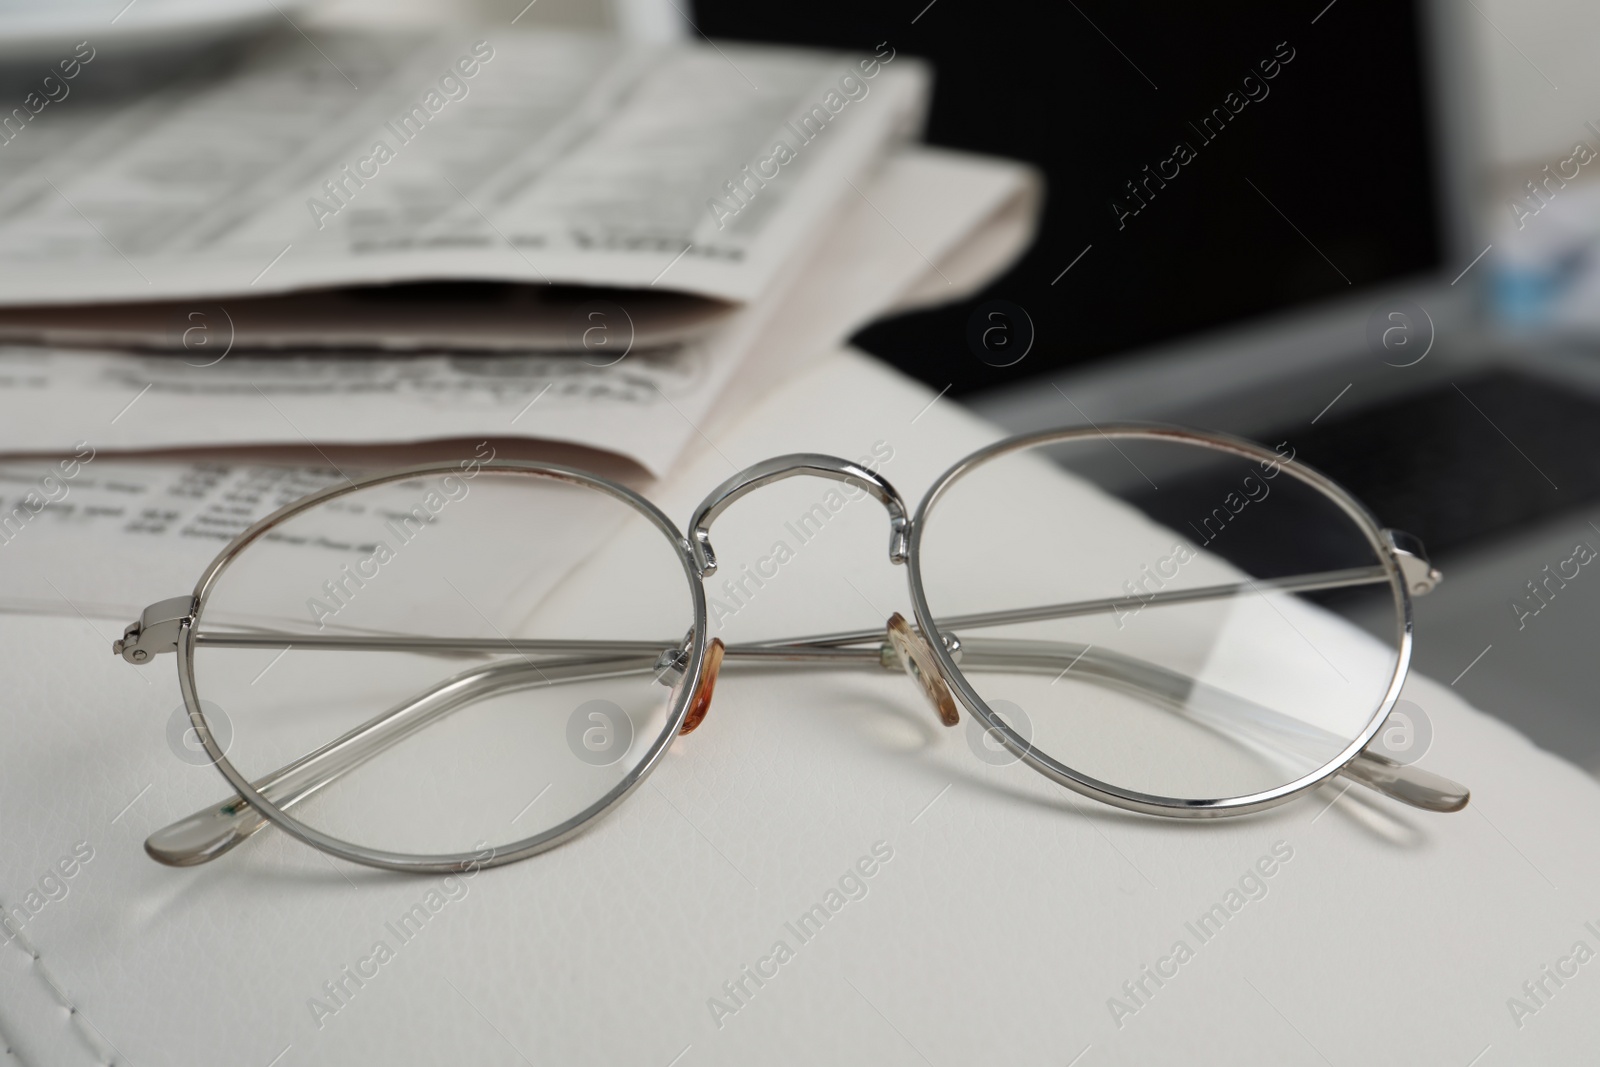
916	659
700	703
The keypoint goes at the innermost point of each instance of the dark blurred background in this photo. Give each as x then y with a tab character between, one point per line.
1092	93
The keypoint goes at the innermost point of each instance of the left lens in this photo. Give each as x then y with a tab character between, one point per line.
469	658
1164	611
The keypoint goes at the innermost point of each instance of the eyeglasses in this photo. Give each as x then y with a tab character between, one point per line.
464	664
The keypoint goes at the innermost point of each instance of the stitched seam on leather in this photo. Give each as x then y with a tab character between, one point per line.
91	1038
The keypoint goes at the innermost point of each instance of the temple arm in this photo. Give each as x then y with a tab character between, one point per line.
157	630
1231	716
214	831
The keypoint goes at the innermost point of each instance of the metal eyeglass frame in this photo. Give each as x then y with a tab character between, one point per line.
691	665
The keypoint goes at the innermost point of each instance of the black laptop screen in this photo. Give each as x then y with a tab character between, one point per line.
1217	162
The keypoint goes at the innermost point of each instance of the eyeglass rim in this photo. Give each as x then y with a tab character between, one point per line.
1105	792
480	858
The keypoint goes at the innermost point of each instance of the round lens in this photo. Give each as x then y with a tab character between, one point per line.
456	662
1166	617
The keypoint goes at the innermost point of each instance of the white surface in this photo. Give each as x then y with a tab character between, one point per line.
1008	915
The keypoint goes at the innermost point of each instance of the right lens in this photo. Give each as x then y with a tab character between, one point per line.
1163	611
540	609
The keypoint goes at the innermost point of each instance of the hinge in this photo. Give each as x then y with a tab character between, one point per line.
1420	575
156	631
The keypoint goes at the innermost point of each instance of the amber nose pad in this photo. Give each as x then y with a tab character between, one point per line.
700	703
916	659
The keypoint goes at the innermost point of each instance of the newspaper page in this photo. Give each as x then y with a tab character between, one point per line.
620	396
175	517
354	158
182	511
121	401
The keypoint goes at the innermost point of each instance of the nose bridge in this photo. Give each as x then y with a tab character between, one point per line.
779	468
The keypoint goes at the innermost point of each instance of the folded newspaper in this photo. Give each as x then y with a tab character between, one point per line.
462	189
948	223
926	225
601	258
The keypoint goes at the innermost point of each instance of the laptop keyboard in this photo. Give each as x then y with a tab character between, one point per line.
1465	462
1457	465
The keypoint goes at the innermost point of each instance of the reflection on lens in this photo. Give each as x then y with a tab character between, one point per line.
1183	638
544	608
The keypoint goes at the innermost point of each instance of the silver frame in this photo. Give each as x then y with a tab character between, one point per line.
174	626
